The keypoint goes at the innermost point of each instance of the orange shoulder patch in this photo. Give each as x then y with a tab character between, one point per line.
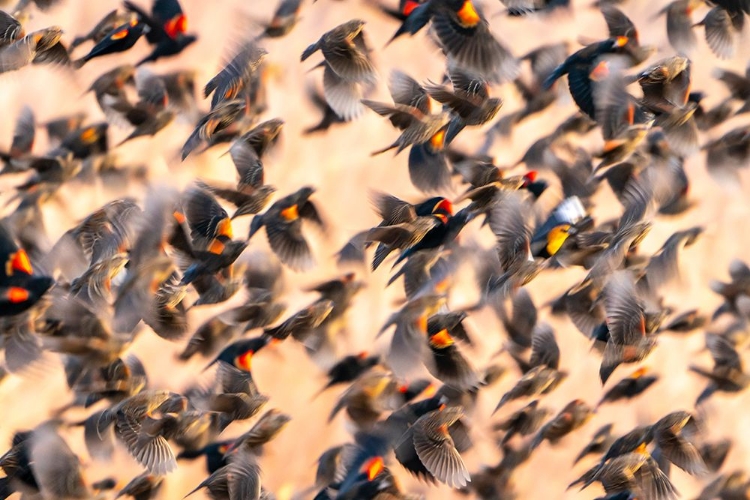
290	213
119	34
468	14
16	294
441	339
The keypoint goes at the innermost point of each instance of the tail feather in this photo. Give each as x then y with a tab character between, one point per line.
310	51
554	76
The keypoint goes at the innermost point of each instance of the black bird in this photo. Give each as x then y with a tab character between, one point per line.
167	25
119	39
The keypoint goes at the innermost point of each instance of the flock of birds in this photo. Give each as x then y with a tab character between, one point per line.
139	267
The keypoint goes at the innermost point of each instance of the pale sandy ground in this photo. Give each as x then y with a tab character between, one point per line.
340	166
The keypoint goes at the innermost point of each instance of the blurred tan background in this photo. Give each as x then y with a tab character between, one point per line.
339	165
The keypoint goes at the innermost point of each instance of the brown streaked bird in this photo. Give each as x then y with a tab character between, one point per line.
400	431
283	223
635	471
680	24
143	423
302	321
12	29
625	122
728	153
511	222
284	19
469	101
687	321
348	68
116	381
142	487
399	214
39	47
240	478
670	436
41	463
738	86
523	422
525	7
618	244
520	321
629	342
573	416
220	118
151	273
727	374
663	266
429	271
100	236
180	86
151	113
672	439
330	117
666	93
729	485
208	337
599	443
417	127
540	374
723	25
24	133
633	441
706	119
734	292
629	387
265	430
436	449
372	394
544	350
251	194
714	453
321	340
109	91
666	85
85	333
233	82
261	138
409	345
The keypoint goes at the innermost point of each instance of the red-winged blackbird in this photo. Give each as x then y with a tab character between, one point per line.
283	223
465	37
108	23
119	39
167	25
20	289
579	67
